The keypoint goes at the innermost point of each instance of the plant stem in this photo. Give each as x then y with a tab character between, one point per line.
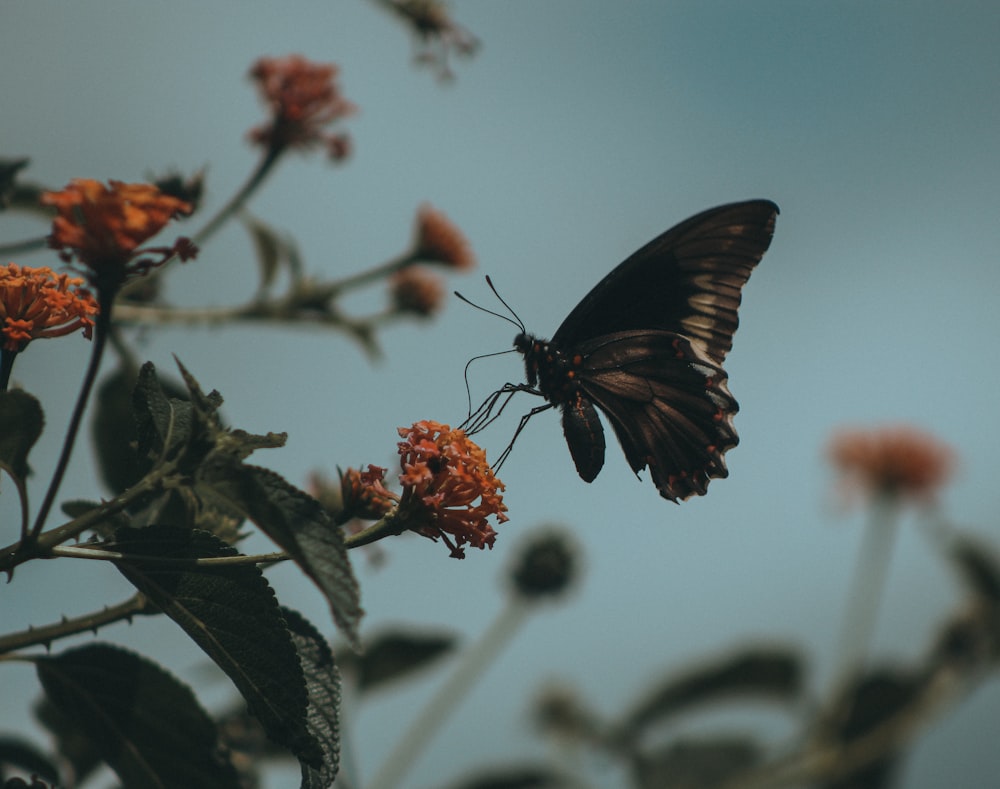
865	593
238	200
67	627
101	329
472	666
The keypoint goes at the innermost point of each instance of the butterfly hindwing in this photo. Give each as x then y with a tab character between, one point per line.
668	403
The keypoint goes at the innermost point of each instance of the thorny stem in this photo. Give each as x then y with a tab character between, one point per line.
19	552
95	552
46	634
472	666
101	328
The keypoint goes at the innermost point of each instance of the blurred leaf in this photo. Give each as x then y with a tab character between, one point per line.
9	168
297	523
21	422
113	432
517	777
396	654
979	568
696	764
230	611
26	758
273	251
764	673
71	743
874	700
147	724
323	685
105	528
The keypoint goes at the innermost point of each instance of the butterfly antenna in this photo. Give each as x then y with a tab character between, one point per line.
500	315
517	320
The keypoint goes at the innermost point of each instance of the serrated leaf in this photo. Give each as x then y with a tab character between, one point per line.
396	654
147	724
162	423
323	685
769	673
298	524
21	422
231	613
23	755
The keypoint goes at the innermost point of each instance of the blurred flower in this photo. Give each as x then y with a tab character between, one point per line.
901	462
37	303
433	27
546	566
103	226
364	494
440	241
448	487
417	292
303	97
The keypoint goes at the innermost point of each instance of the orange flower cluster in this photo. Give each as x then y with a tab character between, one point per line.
417	292
37	303
303	97
440	241
364	494
448	487
104	226
895	461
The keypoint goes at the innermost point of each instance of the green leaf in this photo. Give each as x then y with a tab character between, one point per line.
162	423
396	654
979	567
147	724
323	685
230	611
18	752
696	764
765	673
274	251
296	522
106	528
21	422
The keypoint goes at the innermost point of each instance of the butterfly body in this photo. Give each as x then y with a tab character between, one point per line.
646	347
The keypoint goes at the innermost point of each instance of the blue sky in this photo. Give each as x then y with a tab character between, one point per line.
579	131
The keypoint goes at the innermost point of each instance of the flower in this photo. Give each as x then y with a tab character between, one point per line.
103	227
37	303
303	97
364	494
430	21
448	487
416	291
440	241
895	461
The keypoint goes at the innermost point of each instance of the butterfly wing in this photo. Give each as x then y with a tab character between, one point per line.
686	281
668	404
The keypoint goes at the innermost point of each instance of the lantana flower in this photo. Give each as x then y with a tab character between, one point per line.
439	240
103	227
303	97
449	491
900	462
417	292
37	303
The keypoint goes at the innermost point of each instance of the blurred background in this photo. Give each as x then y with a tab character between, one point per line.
578	131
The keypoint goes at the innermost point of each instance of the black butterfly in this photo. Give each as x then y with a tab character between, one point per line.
646	347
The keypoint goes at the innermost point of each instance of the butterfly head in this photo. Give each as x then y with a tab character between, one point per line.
532	350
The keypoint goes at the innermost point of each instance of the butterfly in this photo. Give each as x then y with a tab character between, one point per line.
646	348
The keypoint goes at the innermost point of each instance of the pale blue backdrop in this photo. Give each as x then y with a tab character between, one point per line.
580	130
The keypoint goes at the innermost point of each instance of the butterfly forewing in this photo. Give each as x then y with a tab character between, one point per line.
687	280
